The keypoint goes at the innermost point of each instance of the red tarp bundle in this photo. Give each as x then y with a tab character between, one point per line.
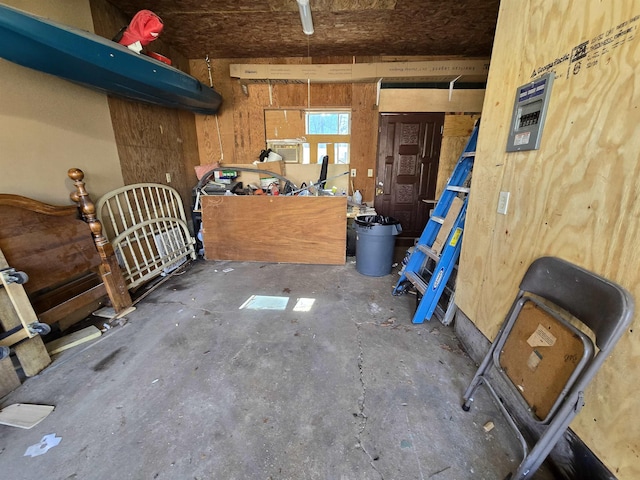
145	27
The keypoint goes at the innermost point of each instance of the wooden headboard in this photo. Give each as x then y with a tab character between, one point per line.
71	266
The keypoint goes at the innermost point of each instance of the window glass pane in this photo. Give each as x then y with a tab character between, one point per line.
327	123
306	153
322	151
341	153
343	124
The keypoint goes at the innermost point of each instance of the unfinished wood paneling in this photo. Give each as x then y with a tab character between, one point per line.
456	132
285	123
397	100
575	198
190	155
215	133
242	124
154	146
275	229
364	138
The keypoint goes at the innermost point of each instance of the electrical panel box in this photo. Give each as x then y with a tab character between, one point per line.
529	114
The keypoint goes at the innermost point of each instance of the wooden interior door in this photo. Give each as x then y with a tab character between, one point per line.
407	168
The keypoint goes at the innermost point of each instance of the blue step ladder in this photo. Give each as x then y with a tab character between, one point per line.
433	260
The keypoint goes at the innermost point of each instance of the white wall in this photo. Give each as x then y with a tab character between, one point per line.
48	125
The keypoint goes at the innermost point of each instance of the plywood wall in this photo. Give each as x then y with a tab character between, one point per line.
576	197
456	133
241	123
395	100
283	124
240	126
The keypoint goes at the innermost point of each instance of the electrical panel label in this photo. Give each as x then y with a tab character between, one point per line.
522	138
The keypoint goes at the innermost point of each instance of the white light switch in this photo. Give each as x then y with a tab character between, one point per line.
503	202
353	172
168	175
370	172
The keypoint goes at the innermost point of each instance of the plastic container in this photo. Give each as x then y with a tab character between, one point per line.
375	241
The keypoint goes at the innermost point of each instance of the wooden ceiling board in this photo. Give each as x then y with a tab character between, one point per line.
271	28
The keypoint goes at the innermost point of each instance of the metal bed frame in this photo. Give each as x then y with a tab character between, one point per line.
147	226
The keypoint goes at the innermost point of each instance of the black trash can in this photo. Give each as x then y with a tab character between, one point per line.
375	240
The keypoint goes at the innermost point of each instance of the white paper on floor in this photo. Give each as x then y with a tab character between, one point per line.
47	442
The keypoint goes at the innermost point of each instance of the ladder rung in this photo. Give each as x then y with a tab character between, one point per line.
468	154
455	188
439	220
417	281
429	252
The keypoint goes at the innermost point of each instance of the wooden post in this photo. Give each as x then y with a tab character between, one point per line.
109	268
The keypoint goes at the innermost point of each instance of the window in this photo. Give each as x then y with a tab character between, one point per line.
327	133
328	123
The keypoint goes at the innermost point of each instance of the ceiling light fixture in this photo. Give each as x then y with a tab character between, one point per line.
305	16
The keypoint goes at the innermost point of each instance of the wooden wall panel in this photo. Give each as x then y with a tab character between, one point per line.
575	198
190	154
396	100
215	130
456	133
364	138
275	229
284	123
242	123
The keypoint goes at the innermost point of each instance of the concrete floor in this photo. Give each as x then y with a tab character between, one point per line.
192	387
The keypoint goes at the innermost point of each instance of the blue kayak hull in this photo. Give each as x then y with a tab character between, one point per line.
96	62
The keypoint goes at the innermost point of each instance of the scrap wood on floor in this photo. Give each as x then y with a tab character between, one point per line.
24	415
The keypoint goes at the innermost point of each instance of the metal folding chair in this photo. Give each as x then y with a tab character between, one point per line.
554	296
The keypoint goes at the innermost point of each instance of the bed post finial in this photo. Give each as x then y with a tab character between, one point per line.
109	268
87	207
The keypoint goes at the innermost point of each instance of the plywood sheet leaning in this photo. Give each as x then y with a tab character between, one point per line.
456	133
575	198
309	230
